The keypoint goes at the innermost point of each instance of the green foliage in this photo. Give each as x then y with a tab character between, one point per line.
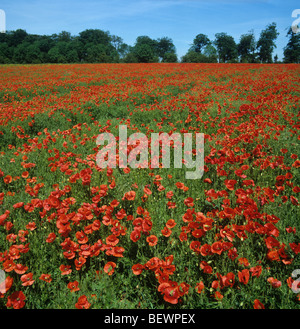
227	48
292	49
200	41
97	46
246	48
195	57
266	43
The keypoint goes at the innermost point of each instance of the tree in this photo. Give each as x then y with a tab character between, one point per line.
266	43
123	50
120	49
130	57
211	53
145	50
200	41
226	47
246	48
96	53
33	54
15	38
170	58
166	50
5	53
55	56
193	57
291	51
145	54
19	54
64	36
94	36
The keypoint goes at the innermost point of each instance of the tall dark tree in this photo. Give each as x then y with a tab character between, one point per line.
226	47
211	53
95	36
144	53
170	58
200	41
266	43
145	49
15	38
246	48
64	36
166	49
292	49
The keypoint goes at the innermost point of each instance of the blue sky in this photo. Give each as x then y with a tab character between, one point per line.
181	20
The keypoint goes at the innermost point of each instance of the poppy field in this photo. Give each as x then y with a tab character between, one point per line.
74	235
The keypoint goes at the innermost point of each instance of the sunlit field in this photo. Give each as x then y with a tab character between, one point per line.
75	235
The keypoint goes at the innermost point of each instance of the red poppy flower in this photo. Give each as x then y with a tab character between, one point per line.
18	205
9	265
82	303
112	240
228	279
109	268
180	185
79	263
183	236
166	232
65	269
46	277
73	286
189	202
135	235
31	226
218	296
147	191
200	287
206	267
216	248
273	255
51	237
81	237
258	305
16	300
4	217
169	194
27	279
20	269
295	247
256	270
153	263
243	261
205	249
152	240
296	164
294	200
130	195
183	289
170	223
137	269
198	233
244	276
274	282
229	183
7	179
171	295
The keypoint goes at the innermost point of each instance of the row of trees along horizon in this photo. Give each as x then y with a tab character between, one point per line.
98	46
